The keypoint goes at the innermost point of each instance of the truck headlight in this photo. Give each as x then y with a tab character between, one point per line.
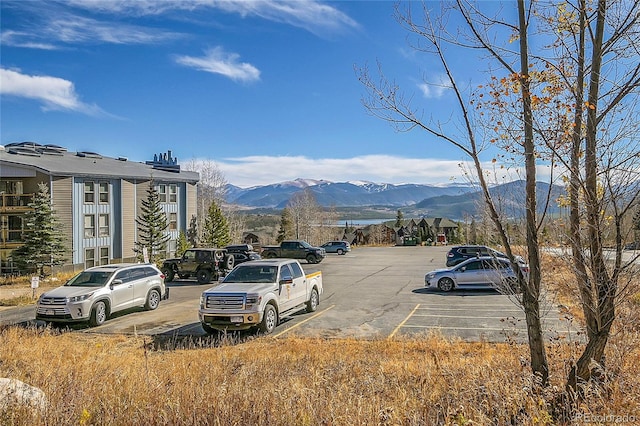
430	275
253	299
80	298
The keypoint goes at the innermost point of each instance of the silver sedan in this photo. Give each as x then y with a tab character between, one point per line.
478	272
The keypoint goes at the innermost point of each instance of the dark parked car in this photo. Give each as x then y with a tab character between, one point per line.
340	247
633	246
242	253
459	254
476	273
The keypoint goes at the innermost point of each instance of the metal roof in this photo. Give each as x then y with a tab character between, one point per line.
57	161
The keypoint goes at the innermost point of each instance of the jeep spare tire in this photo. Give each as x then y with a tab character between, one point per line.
229	262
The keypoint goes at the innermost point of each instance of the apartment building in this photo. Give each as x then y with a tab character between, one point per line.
96	199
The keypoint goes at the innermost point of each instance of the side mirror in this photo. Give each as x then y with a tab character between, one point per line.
464	268
286	281
115	282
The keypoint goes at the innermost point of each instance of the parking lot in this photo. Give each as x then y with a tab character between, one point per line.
371	293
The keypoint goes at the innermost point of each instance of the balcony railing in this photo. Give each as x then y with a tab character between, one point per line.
15	201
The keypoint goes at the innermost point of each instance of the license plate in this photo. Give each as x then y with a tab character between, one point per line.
50	311
237	319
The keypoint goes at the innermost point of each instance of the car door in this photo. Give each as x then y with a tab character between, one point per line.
188	262
470	275
142	280
300	284
497	272
121	291
286	288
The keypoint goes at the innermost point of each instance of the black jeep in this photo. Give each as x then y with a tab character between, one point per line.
204	264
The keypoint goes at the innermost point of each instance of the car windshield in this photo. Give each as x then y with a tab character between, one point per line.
252	274
90	279
305	244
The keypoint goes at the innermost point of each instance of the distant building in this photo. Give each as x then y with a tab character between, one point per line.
96	198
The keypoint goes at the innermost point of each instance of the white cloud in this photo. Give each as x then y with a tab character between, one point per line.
436	88
315	17
263	170
217	61
53	29
55	93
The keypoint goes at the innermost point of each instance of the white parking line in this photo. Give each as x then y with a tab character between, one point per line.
440	327
458	316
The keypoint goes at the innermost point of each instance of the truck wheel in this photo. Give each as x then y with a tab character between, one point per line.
445	284
269	319
270	256
98	314
311	259
203	276
153	300
169	275
314	300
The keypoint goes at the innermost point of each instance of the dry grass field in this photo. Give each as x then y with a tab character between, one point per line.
91	379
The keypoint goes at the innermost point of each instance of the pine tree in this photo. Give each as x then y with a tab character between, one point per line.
286	225
192	232
152	223
216	228
399	218
43	241
182	244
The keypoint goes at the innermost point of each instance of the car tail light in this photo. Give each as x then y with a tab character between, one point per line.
450	254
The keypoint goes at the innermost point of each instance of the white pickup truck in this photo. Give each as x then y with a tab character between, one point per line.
258	294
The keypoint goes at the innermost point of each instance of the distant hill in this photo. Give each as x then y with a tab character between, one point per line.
340	194
455	202
510	199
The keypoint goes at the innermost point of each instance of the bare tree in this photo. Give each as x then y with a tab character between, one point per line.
386	101
551	111
212	188
305	212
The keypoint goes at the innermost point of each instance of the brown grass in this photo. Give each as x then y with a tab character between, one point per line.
131	380
92	379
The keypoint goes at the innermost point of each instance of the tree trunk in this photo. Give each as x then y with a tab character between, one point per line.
531	290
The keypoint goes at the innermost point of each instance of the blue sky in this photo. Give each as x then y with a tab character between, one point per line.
266	90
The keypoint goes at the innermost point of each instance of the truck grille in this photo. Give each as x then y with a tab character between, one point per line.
226	301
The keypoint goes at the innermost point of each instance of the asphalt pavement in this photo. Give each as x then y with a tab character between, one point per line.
369	293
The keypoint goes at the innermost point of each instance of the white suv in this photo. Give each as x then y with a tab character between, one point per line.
98	292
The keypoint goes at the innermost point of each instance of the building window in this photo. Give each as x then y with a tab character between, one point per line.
103	225
162	193
89	193
89	226
173	193
173	221
89	258
104	192
104	255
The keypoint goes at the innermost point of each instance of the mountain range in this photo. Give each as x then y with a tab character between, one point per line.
454	201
